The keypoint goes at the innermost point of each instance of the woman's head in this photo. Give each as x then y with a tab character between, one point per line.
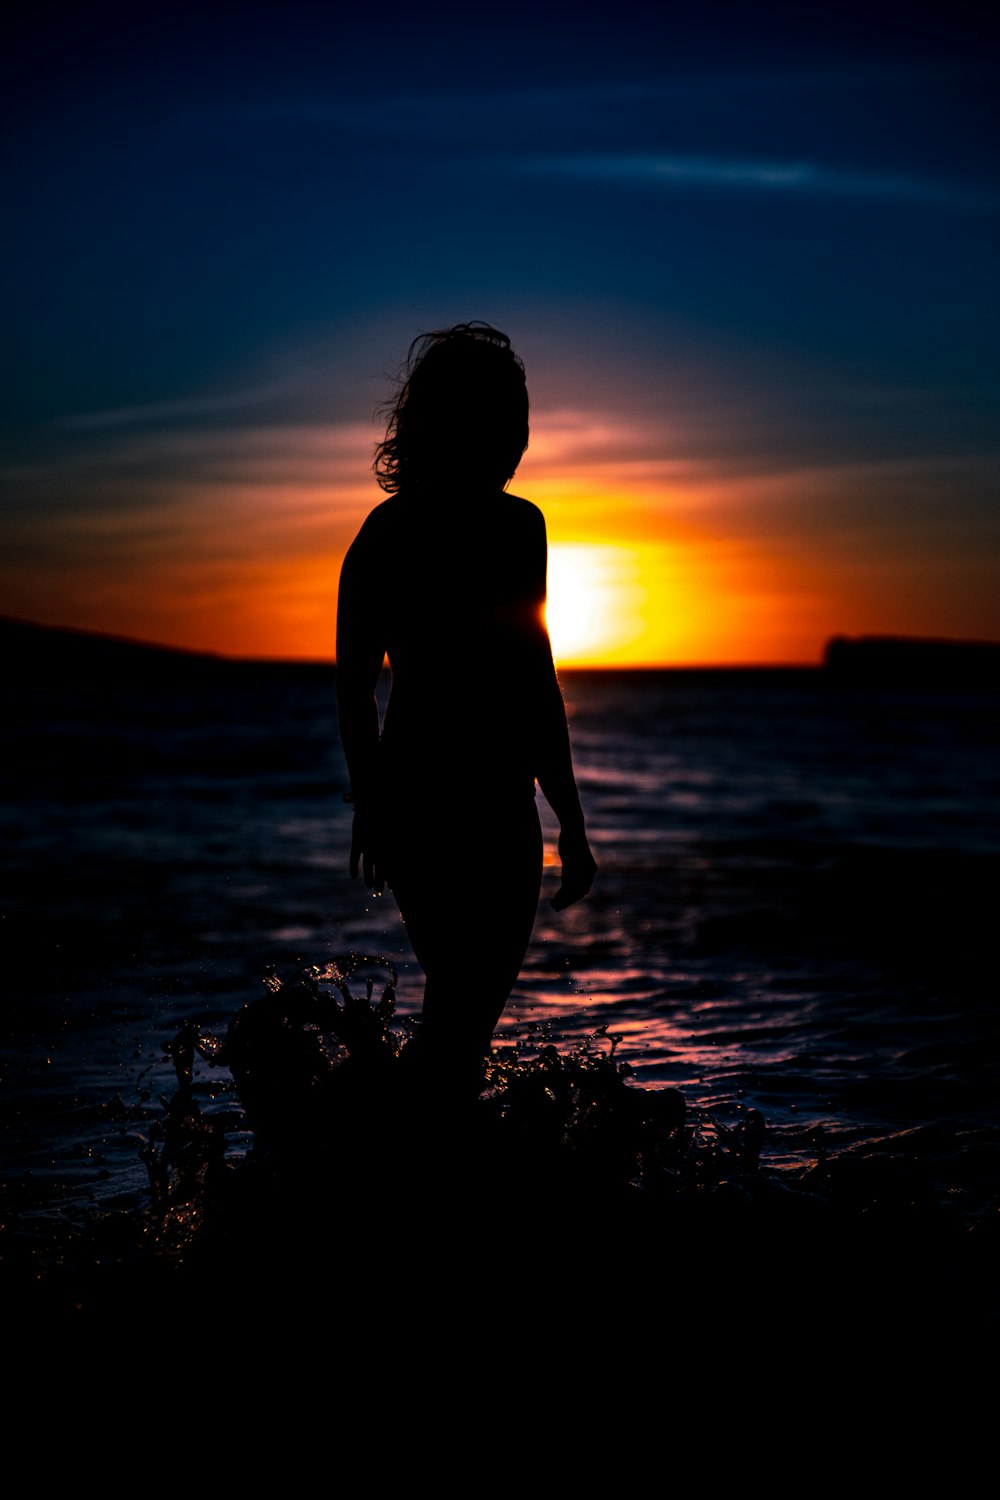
461	415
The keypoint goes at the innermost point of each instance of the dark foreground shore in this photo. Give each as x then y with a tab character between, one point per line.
382	1195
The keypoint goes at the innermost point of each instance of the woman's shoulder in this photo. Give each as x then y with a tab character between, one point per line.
386	513
525	513
379	524
400	520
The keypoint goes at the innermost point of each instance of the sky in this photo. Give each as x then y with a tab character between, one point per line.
747	253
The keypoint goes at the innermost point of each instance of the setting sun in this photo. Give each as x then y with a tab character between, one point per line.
594	601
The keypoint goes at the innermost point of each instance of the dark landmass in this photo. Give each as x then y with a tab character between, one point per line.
906	661
83	711
52	657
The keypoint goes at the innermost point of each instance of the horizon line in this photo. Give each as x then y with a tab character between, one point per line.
331	661
574	666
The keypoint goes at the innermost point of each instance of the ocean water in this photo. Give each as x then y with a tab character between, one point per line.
794	912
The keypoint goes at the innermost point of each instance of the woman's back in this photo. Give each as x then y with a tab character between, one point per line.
459	587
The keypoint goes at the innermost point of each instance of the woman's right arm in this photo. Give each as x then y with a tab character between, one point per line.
558	783
360	655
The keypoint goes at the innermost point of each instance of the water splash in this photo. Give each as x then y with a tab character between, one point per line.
327	1085
362	1161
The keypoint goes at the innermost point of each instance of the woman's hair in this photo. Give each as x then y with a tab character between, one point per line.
461	413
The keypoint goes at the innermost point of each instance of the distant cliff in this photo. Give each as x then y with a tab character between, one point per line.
40	656
909	661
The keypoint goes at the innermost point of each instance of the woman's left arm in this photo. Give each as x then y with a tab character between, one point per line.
360	655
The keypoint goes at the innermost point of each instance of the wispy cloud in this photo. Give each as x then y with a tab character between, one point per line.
726	173
154	413
610	108
604	133
292	470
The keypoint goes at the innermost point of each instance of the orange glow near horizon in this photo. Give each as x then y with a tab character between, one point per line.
653	604
670	589
652	561
641	600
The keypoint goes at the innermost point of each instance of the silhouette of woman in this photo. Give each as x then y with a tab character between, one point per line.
447	578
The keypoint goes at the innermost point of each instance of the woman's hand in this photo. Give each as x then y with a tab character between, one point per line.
366	853
578	869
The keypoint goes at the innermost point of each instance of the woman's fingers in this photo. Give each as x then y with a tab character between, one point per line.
578	873
371	868
364	856
569	893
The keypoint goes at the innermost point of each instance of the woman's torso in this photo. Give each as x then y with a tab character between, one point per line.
460	588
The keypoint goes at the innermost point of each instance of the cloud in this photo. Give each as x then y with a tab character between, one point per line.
624	107
605	134
729	174
119	470
156	412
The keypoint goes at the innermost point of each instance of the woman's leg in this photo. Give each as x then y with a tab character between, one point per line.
468	898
